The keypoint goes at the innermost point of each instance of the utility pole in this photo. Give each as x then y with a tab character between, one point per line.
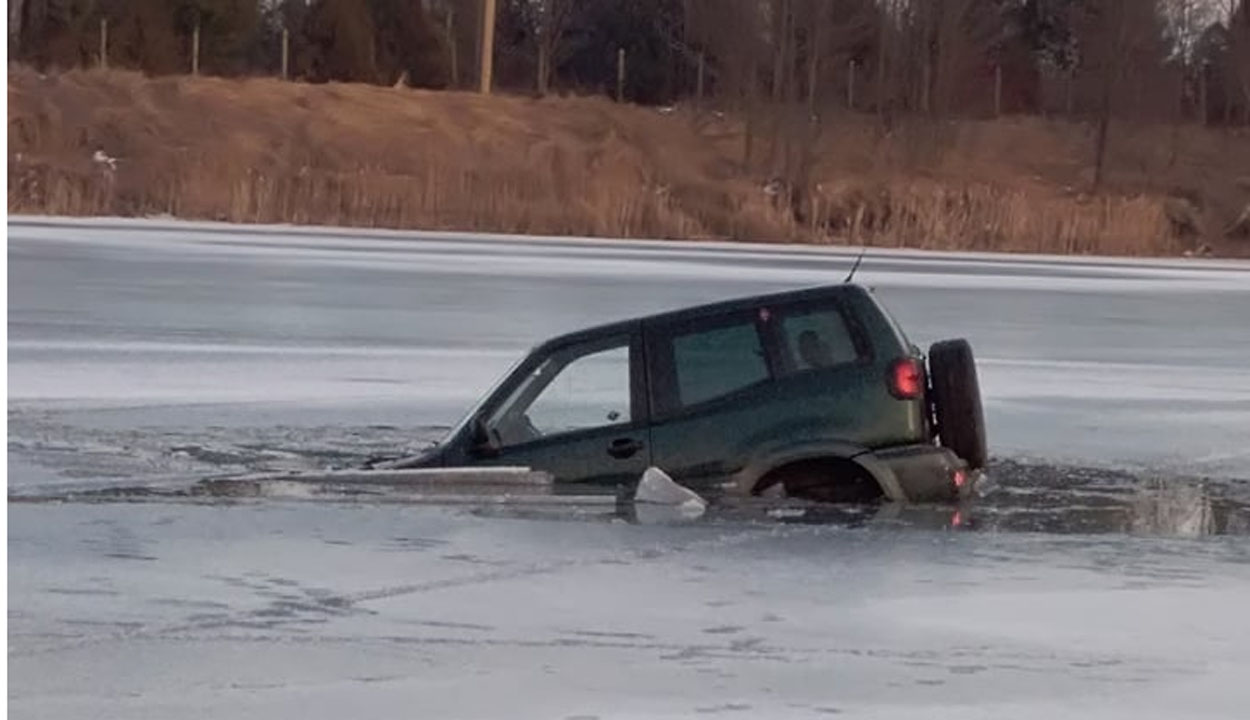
620	75
488	46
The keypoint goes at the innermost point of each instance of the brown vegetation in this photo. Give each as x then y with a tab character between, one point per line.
266	151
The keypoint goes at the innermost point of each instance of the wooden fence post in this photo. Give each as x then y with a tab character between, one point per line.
620	75
850	85
104	43
195	48
1202	95
1068	94
998	89
699	81
925	80
286	53
451	47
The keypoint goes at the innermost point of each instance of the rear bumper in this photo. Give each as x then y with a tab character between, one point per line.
919	473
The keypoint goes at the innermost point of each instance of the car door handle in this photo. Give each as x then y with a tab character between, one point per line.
624	447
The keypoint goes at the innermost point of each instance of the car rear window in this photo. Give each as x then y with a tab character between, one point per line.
714	362
816	338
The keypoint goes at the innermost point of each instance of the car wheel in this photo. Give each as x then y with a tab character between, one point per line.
956	396
826	480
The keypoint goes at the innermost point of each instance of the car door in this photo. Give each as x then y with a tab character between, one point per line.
827	385
579	414
723	388
710	379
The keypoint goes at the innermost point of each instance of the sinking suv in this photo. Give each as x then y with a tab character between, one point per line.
814	393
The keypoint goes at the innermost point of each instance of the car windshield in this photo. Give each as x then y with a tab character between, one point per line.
476	408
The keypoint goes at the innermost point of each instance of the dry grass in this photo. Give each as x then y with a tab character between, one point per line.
265	151
932	215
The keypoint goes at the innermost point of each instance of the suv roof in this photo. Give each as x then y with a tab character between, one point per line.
721	306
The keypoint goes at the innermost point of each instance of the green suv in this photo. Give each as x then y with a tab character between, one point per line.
815	393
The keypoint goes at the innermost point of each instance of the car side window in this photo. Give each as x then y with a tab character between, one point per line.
576	389
709	363
816	338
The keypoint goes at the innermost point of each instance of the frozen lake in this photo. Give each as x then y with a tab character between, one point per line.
119	326
157	353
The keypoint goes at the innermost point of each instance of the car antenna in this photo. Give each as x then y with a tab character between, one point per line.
858	260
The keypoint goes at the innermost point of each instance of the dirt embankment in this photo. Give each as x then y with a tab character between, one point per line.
115	143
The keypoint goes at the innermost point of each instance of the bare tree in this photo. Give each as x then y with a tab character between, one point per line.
1124	47
1187	20
817	17
1239	54
552	22
955	39
461	21
735	34
841	31
883	57
780	36
894	52
16	9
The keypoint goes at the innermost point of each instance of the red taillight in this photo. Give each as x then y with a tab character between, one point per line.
960	478
907	378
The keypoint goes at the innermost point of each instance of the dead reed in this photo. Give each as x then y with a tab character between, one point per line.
264	151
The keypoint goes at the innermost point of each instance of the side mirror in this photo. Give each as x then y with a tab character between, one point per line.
485	443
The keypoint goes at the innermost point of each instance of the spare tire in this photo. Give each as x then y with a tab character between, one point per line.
956	397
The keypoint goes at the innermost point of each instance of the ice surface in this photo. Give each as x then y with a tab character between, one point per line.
158	353
126	324
295	610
